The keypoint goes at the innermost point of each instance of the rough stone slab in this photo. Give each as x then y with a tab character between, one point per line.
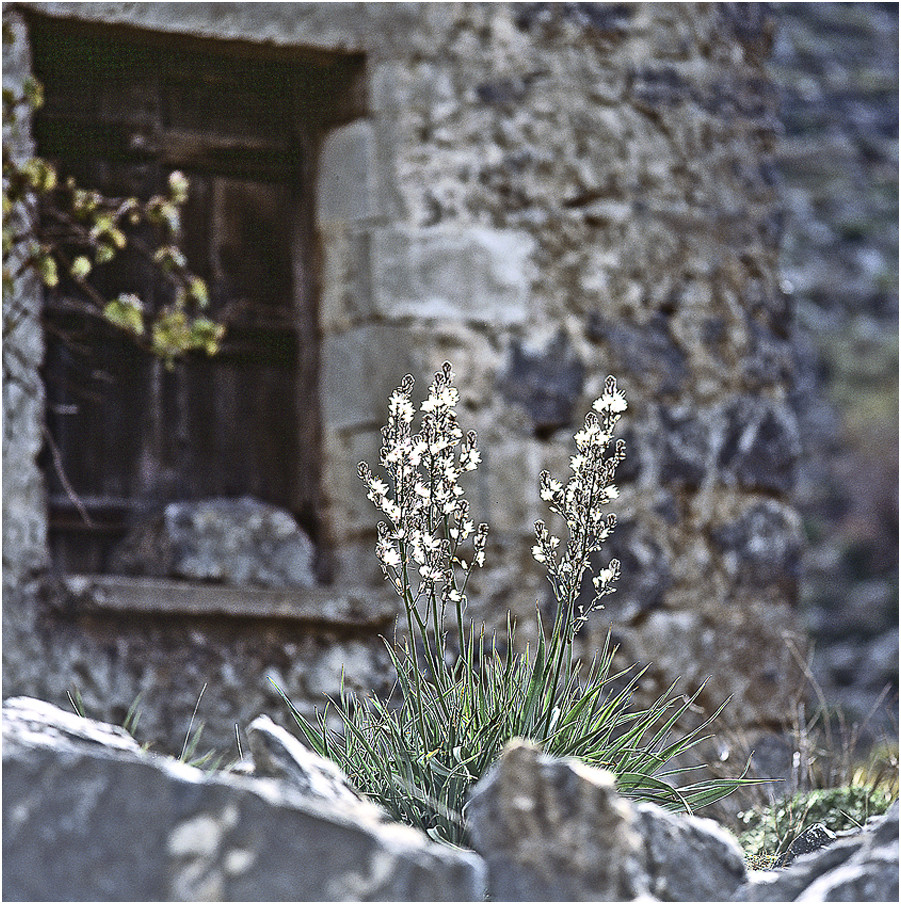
104	824
315	605
343	27
472	273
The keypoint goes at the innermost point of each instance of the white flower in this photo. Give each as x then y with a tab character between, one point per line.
551	489
469	459
612	400
538	554
399	406
378	487
388	555
419	449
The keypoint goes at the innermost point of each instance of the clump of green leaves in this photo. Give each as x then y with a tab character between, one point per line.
62	232
769	832
419	755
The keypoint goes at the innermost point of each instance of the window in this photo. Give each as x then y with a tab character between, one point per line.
124	109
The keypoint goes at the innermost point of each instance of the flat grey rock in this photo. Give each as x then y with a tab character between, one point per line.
85	822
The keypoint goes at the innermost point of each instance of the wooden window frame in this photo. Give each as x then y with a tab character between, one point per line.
326	90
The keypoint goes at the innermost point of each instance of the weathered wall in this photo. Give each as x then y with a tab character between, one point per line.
543	194
835	66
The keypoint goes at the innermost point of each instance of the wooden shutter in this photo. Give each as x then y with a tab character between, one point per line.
126	434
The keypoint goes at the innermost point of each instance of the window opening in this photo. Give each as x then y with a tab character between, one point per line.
126	435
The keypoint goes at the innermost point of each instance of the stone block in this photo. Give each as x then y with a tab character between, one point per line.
763	545
346	295
547	383
346	185
230	541
350	512
460	273
759	447
506	492
360	369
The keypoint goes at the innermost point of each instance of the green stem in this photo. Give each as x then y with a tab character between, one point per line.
559	641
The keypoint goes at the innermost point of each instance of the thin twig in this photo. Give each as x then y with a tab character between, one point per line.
60	472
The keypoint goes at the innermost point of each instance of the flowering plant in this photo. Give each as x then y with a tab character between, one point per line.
418	756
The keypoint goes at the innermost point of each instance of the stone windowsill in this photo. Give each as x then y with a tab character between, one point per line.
326	606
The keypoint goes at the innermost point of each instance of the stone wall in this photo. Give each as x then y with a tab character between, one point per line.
836	68
542	194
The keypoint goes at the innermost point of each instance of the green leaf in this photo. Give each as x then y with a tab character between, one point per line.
170	258
45	266
178	187
34	92
103	254
127	313
198	291
81	267
40	174
206	335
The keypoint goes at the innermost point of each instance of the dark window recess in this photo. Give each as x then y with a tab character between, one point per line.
126	435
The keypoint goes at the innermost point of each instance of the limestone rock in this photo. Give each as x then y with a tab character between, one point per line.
98	822
230	541
689	858
28	719
557	830
279	754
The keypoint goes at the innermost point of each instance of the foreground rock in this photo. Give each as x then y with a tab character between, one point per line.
277	753
88	815
243	542
556	830
84	819
862	867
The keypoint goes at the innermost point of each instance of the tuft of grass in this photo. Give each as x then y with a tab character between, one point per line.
209	760
768	833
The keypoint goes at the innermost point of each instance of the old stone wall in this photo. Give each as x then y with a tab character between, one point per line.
835	66
542	194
